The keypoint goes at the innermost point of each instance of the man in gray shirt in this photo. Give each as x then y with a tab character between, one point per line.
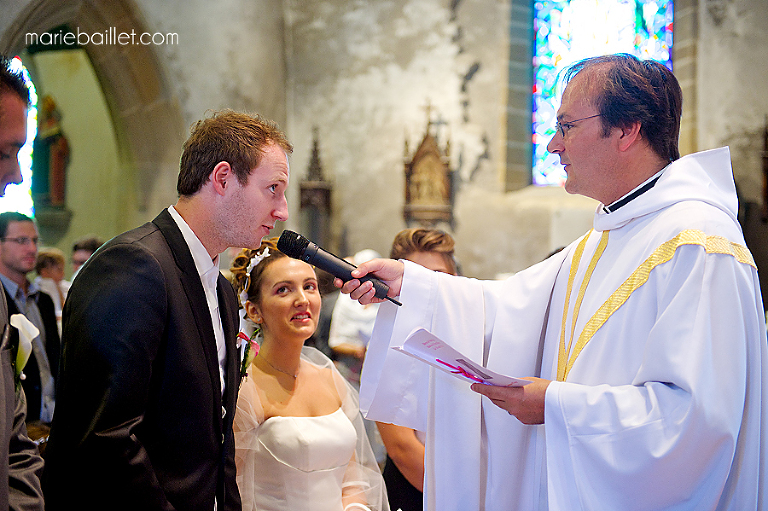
18	254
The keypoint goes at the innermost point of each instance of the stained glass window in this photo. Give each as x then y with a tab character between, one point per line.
18	197
568	31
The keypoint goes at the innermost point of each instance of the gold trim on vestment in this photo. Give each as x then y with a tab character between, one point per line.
582	291
712	245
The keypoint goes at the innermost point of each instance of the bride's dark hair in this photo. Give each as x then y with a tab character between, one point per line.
252	283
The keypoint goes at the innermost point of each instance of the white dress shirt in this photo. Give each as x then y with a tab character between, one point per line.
209	273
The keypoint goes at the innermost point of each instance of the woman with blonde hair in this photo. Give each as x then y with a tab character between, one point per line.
299	436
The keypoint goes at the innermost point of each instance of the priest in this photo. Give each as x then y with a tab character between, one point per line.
644	340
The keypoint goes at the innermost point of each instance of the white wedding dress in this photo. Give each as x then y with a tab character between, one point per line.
303	463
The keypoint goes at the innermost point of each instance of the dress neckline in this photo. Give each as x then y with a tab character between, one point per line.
304	416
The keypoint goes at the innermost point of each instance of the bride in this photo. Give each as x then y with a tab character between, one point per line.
299	437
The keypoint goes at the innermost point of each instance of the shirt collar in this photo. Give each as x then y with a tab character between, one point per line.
14	289
635	193
203	262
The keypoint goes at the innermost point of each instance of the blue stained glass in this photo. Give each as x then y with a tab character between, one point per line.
568	31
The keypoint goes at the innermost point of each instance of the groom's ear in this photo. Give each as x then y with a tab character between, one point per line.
221	176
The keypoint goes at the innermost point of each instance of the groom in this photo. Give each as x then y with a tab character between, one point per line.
149	370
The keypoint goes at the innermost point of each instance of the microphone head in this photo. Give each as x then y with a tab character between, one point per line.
292	244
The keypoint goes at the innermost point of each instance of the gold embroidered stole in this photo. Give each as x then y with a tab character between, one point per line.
712	245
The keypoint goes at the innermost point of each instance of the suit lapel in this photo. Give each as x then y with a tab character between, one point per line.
195	293
3	307
228	304
11	309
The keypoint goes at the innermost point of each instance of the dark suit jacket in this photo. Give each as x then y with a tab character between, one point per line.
31	382
20	474
140	421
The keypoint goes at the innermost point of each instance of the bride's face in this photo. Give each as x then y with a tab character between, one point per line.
290	300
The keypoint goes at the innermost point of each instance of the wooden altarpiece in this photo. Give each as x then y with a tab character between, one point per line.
428	183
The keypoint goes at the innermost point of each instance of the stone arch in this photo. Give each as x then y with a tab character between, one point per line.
147	120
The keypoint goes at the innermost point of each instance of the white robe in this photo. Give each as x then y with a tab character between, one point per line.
666	405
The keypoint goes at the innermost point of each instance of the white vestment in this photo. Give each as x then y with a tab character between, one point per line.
665	398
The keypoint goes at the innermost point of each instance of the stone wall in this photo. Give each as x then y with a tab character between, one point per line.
732	77
364	73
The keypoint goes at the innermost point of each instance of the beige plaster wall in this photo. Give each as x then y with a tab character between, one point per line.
517	229
95	186
230	54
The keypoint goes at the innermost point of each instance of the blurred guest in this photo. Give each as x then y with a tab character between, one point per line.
18	255
404	469
50	277
299	435
82	249
351	327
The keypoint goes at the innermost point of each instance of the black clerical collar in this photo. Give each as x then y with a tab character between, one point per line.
632	195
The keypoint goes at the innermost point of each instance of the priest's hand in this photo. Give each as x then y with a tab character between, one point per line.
525	403
389	271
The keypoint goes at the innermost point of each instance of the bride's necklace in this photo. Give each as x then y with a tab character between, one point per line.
294	376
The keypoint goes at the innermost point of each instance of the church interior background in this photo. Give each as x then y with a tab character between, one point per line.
402	112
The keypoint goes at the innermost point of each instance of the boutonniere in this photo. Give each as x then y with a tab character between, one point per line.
27	332
249	348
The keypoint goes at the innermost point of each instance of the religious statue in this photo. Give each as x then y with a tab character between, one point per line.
50	157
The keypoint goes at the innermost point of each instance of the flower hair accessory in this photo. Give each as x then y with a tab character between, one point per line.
255	260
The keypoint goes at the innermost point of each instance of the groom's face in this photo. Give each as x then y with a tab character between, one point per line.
255	206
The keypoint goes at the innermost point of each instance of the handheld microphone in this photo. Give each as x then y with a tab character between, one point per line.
297	246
